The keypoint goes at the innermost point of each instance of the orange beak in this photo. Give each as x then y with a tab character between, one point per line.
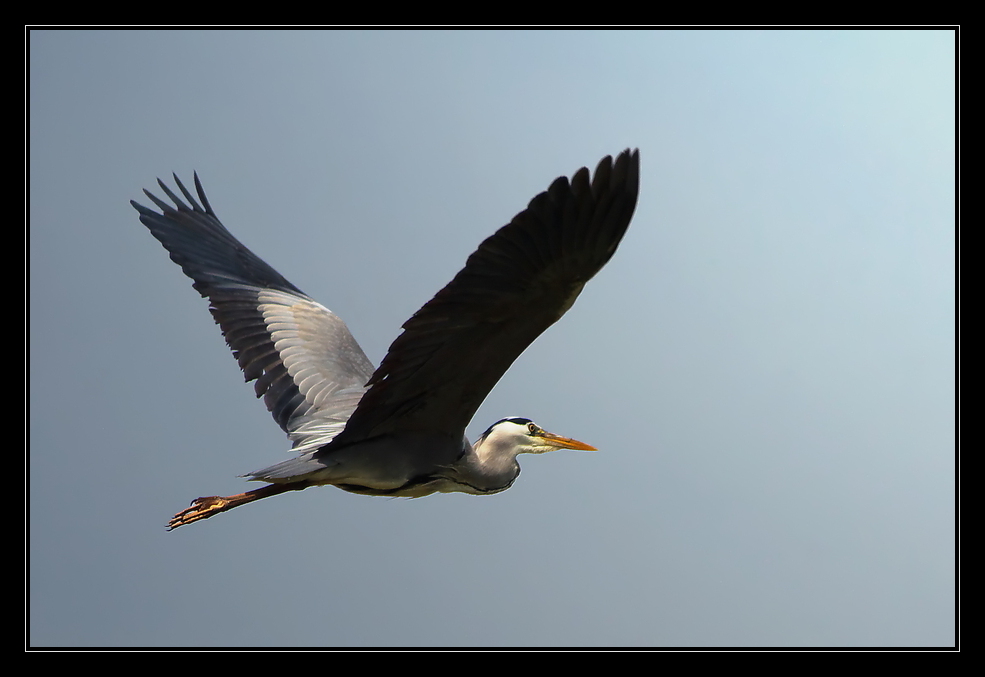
564	442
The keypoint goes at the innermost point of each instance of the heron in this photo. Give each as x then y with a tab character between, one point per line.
399	429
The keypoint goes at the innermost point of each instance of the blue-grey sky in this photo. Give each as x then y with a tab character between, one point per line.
767	363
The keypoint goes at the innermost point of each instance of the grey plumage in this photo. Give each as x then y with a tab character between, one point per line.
399	430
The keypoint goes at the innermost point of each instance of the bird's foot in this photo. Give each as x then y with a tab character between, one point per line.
200	509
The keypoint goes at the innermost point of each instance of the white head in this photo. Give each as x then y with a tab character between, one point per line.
508	437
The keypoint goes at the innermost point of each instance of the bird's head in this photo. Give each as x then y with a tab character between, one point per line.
515	435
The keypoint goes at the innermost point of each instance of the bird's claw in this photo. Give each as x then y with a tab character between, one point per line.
200	509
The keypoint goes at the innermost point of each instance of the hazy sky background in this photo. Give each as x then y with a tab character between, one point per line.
767	363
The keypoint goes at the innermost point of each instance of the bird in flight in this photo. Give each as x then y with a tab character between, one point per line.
399	429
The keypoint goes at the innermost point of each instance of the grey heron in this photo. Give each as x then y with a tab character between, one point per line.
399	429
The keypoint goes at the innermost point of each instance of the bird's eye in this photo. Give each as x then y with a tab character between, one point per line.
531	427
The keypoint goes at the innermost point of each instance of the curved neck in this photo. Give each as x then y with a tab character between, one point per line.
487	467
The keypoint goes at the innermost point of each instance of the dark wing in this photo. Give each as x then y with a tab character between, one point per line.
519	282
308	368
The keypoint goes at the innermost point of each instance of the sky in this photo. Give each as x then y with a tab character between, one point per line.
767	364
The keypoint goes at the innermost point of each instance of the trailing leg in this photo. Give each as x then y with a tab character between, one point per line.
207	506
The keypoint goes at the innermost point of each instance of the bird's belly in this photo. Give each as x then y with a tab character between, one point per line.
408	466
